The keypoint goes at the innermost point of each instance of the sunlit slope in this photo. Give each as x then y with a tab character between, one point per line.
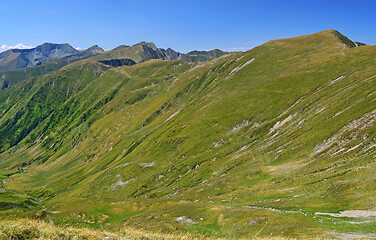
275	134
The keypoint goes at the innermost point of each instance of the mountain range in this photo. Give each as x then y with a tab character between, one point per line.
275	141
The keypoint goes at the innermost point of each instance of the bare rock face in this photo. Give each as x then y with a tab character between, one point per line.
46	52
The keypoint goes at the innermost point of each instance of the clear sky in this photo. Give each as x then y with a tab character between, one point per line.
182	25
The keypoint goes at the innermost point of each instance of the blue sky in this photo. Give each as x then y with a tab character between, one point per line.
181	25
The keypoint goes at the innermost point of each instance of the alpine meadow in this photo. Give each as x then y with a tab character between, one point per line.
140	142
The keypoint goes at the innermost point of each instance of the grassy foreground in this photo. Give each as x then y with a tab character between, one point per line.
38	229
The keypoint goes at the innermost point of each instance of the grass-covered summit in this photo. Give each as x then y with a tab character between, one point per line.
279	138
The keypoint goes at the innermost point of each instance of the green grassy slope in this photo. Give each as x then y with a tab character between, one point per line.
269	139
8	78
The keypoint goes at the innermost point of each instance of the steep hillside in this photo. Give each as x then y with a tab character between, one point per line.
280	138
8	78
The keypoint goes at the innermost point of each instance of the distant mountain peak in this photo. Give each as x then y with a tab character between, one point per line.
120	47
22	58
149	44
95	48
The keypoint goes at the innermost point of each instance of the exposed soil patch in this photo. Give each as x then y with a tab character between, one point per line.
351	214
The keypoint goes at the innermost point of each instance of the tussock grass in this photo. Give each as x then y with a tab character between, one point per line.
38	229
